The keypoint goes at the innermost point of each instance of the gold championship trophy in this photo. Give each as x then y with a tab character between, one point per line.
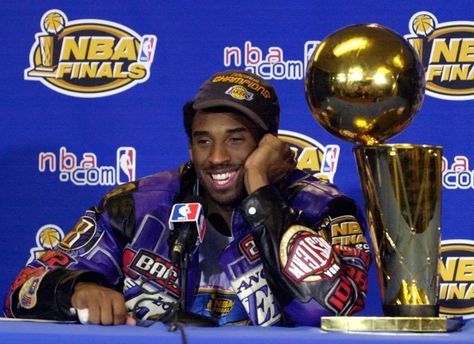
364	84
45	65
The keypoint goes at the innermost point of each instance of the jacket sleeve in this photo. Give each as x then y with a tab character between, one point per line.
90	252
314	252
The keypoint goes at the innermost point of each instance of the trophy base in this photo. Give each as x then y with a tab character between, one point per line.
390	324
42	72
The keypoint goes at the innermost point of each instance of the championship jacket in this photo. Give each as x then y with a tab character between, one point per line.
297	252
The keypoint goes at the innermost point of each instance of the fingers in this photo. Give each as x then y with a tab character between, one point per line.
131	321
269	163
284	158
94	312
279	146
120	315
106	306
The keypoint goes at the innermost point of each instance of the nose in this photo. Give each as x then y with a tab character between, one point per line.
219	155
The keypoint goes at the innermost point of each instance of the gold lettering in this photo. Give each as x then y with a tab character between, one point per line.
466	54
118	73
465	271
460	72
470	292
433	71
440	48
100	48
105	70
339	229
309	159
457	291
137	71
353	228
89	70
443	289
125	49
71	47
64	68
76	68
447	271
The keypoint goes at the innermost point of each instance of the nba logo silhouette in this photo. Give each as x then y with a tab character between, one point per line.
331	156
126	164
185	212
147	48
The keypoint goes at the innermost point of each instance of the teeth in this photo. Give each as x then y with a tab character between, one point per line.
222	178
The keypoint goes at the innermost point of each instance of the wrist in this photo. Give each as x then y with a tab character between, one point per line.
82	285
254	179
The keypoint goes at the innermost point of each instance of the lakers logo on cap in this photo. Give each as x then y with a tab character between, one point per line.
240	93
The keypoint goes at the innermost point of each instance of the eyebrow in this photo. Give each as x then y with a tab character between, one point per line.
229	131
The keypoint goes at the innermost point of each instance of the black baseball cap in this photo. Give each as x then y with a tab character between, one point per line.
239	90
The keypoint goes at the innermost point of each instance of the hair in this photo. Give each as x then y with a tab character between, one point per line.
188	116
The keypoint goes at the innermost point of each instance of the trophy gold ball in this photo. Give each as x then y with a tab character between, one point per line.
364	83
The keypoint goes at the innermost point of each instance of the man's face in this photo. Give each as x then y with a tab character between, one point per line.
220	144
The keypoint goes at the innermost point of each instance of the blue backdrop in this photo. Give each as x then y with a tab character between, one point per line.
92	91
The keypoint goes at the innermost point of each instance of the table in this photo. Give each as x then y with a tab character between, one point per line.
53	333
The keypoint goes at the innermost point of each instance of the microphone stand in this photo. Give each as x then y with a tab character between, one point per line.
181	315
183	285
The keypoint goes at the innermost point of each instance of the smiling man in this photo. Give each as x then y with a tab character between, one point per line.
272	253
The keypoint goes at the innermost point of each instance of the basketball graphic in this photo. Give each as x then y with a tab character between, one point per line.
49	237
423	25
54	23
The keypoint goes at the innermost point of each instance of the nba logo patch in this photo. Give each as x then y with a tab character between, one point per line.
126	164
185	212
147	48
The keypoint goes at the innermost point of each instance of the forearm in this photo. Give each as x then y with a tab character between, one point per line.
302	263
268	214
46	294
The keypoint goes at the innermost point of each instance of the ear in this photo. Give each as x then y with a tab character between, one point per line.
190	151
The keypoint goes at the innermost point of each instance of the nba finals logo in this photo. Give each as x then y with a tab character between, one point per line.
446	52
47	238
89	58
456	273
311	156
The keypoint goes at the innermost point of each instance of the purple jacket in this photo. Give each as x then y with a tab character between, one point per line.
297	253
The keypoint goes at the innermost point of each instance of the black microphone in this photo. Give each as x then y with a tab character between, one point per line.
187	225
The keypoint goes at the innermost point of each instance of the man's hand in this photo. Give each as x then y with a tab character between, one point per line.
270	162
106	306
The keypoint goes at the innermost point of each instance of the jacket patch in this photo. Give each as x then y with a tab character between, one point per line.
154	268
256	297
56	259
83	237
27	296
345	230
145	300
306	256
120	191
219	304
248	248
